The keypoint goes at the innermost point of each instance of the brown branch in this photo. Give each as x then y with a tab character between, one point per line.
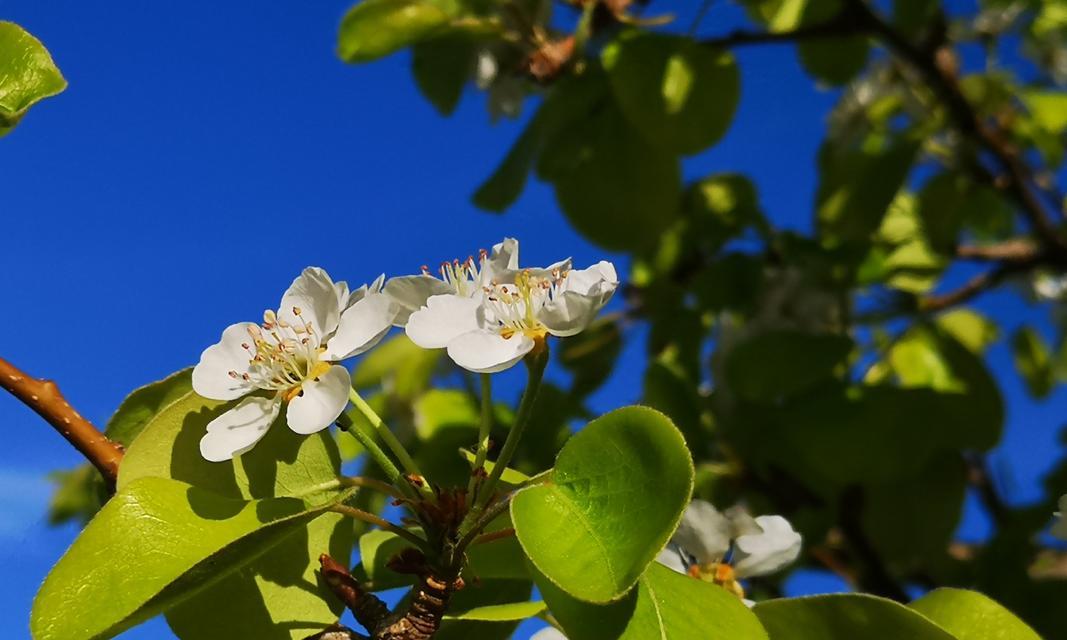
337	632
493	536
939	69
44	397
1014	250
844	24
970	289
367	608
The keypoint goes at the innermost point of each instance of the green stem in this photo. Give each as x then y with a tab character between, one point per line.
390	439
379	456
483	431
535	367
366	516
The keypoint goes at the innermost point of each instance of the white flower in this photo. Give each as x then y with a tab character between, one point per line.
1059	529
466	279
755	546
491	330
548	633
1050	287
289	360
485	69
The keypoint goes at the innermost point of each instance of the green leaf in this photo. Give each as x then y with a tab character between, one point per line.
162	541
506	183
441	68
581	528
970	328
832	60
80	492
27	73
856	187
969	615
679	94
376	28
510	476
722	206
845	617
781	363
397	365
1048	108
282	584
140	406
499	612
1033	361
617	189
665	604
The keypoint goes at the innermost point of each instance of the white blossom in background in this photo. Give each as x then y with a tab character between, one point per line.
726	547
1059	528
548	633
493	329
290	360
1050	287
466	279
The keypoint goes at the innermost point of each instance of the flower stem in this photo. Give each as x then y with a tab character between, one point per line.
379	456
390	439
535	367
483	431
366	516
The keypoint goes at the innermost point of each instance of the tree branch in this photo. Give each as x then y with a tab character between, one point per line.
976	285
44	397
1014	250
845	23
367	608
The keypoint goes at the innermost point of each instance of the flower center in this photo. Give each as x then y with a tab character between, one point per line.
282	356
720	573
515	307
464	277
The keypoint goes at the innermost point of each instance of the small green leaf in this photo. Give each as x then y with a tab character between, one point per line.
162	541
441	68
613	500
681	95
79	494
500	612
969	615
140	406
27	73
665	604
832	60
376	28
1048	108
722	206
506	183
1033	361
845	617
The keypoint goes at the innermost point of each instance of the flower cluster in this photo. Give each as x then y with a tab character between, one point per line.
487	312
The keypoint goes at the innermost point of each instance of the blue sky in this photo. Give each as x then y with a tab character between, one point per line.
206	152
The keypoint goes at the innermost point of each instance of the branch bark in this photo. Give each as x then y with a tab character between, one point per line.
44	397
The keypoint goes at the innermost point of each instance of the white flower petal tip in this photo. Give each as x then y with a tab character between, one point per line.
671	557
238	429
488	351
362	326
703	532
548	633
443	319
312	299
320	401
764	553
220	374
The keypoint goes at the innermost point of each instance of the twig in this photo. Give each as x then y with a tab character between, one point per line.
367	608
845	23
973	287
493	536
44	397
371	483
366	516
1014	250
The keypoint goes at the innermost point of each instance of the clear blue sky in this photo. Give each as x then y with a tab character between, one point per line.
206	152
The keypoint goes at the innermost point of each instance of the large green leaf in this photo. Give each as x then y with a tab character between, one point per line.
375	28
441	68
665	604
277	597
613	500
969	615
154	544
27	74
770	365
845	617
144	403
679	94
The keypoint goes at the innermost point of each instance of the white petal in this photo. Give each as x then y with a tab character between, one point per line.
585	292
671	557
486	351
312	292
503	258
442	319
362	325
239	429
767	552
211	376
412	292
703	532
320	401
548	633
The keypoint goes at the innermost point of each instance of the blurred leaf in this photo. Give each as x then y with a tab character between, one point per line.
832	60
845	617
665	604
162	540
679	94
856	187
441	68
590	356
1033	361
499	612
79	493
1048	108
578	528
774	364
375	28
27	74
144	403
971	329
399	365
506	183
731	282
969	615
722	206
442	408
